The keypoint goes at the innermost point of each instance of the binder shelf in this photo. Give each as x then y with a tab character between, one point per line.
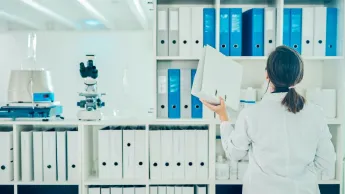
117	153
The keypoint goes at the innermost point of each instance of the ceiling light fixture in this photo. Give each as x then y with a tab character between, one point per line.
138	11
50	13
19	20
95	13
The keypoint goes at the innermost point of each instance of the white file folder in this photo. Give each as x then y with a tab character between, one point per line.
170	190
116	153
320	14
103	153
140	153
270	30
201	190
162	190
73	155
153	190
94	190
49	156
128	153
178	154
26	156
140	190
188	190
218	75
162	32
155	154
173	32
186	98
6	159
197	31
116	190
105	190
162	98
190	154
178	190
166	153
38	155
307	31
202	153
61	155
128	190
185	28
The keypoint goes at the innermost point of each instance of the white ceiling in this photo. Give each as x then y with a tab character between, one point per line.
75	14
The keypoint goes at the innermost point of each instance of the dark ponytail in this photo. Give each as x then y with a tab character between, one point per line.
285	69
293	101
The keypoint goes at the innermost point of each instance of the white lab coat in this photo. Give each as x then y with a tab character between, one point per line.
285	149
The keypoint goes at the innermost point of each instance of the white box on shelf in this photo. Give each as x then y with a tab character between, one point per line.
140	153
115	153
73	155
128	153
178	154
202	153
38	155
49	156
325	98
26	156
155	155
190	154
6	157
94	190
61	141
166	153
103	153
116	190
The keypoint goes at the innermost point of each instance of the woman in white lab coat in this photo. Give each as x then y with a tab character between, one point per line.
286	137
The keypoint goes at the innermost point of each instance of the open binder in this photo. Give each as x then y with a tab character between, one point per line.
218	75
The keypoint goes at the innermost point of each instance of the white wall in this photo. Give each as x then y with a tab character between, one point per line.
61	53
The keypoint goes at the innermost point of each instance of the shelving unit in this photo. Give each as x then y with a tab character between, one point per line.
320	71
326	72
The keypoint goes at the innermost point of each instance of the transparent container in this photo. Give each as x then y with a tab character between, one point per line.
30	62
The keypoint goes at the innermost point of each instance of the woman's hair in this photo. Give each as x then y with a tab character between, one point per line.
285	69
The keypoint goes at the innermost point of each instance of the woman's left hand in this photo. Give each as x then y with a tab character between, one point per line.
219	109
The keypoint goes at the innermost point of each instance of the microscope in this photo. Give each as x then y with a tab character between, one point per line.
92	103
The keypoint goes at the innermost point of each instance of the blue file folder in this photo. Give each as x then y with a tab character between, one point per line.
253	32
296	29
174	97
235	32
331	32
209	27
286	26
224	37
196	103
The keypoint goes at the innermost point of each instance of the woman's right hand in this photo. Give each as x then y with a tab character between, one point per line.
218	109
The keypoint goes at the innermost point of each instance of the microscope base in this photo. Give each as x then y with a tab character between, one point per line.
85	115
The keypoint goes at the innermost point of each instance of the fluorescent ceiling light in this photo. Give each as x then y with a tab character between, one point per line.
137	10
19	20
50	13
92	22
95	13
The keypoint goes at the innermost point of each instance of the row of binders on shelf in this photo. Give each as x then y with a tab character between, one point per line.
179	152
178	189
311	31
122	152
174	94
6	155
184	31
50	155
117	190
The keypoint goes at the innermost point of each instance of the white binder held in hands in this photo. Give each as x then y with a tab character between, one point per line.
218	76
